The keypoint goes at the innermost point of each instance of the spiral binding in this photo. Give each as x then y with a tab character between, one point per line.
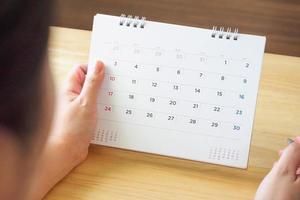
139	22
129	20
221	33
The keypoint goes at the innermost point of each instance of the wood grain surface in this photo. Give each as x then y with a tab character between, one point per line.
279	20
115	174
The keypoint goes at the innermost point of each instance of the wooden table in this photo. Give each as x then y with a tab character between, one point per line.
278	20
113	174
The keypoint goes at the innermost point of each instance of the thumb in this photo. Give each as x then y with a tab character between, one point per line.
92	83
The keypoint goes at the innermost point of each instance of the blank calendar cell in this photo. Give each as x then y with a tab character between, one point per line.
195	60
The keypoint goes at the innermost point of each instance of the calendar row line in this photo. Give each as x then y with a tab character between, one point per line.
175	105
190	58
130	110
191	124
102	134
180	68
174	51
131	80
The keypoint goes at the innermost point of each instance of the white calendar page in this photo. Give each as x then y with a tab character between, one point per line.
176	90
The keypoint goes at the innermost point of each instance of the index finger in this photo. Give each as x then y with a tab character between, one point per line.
290	159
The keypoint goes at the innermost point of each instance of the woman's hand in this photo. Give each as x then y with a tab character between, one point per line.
75	121
76	114
283	181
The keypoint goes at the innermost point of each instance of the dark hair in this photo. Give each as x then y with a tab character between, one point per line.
23	42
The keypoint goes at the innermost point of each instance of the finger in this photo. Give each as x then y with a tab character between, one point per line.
92	83
290	159
280	152
75	80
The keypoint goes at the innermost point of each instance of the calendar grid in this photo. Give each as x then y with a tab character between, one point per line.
187	132
155	85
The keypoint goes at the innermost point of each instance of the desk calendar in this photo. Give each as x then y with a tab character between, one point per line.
175	90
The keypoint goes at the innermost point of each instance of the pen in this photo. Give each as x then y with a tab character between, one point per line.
290	141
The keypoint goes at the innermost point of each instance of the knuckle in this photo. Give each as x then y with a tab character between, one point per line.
102	77
94	78
83	102
91	79
282	170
